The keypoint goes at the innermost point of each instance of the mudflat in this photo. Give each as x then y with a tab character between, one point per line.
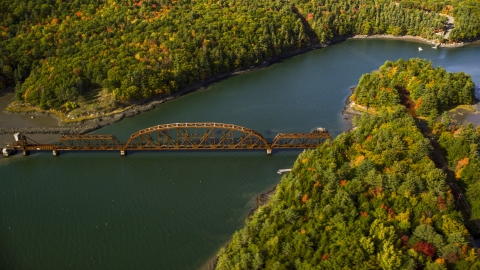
24	121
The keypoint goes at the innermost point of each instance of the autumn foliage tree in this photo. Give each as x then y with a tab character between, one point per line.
369	198
391	208
426	248
55	52
416	84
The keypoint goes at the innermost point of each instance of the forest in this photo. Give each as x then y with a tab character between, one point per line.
460	146
415	83
372	198
57	54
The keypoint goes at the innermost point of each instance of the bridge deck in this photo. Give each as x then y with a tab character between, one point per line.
40	147
178	136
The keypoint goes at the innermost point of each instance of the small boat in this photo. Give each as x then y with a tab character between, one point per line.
319	130
283	171
420	49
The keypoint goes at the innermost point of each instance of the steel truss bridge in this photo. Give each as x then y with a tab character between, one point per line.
178	136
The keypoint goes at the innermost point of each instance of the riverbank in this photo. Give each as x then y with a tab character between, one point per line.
261	200
88	124
66	126
351	109
413	38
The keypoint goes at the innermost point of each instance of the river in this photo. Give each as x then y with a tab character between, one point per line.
174	210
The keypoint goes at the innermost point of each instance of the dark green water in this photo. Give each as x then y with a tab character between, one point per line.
174	210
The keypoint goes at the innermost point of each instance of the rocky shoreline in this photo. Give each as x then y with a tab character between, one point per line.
348	110
262	199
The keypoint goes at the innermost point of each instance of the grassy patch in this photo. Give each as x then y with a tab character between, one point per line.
469	108
360	108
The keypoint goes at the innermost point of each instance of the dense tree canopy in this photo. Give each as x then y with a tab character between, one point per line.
333	19
138	49
371	198
425	90
53	52
460	143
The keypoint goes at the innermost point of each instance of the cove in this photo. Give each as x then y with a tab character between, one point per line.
174	210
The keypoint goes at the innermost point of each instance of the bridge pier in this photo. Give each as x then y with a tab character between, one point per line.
25	152
269	151
55	152
123	152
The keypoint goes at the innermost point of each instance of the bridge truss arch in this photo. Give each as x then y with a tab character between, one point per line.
196	136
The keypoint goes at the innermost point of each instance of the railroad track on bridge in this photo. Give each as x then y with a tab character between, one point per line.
177	136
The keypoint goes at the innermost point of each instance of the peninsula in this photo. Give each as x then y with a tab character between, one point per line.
83	61
381	195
